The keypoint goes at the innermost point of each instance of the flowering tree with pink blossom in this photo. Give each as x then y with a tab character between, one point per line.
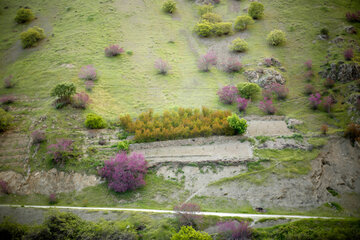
61	151
113	50
125	172
88	72
234	230
162	66
315	100
228	94
267	106
206	61
242	103
186	214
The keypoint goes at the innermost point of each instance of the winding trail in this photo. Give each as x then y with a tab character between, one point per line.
219	214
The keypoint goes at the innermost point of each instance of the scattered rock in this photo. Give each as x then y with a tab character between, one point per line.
338	40
260	209
292	122
343	72
350	30
281	143
67	65
264	77
323	37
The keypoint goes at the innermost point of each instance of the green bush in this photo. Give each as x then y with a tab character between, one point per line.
63	92
256	10
187	233
94	121
30	37
204	28
123	146
276	37
5	120
211	17
248	90
239	125
222	28
205	9
24	15
241	22
169	6
239	45
324	31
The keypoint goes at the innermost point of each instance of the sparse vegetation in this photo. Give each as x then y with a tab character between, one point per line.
256	10
276	37
32	36
242	22
169	6
5	120
248	90
24	15
239	45
239	125
94	121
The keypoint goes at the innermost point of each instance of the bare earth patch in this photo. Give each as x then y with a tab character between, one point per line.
226	149
49	182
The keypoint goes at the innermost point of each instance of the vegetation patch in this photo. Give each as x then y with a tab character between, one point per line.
183	123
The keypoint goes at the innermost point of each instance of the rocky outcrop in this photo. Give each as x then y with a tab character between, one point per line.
281	143
264	77
47	182
343	72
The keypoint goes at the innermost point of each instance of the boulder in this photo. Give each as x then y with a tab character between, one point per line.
343	72
264	77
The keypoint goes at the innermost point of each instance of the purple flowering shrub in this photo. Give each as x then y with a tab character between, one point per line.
281	91
38	136
186	214
329	83
309	89
206	61
113	50
61	151
315	100
327	102
7	99
242	103
309	74
353	16
89	85
348	54
234	230
228	94
268	62
124	172
88	72
267	106
308	64
232	65
162	66
4	187
52	198
267	93
8	82
80	100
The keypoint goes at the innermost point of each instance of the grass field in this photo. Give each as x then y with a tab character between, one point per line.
77	33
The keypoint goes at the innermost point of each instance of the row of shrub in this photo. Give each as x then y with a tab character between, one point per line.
177	124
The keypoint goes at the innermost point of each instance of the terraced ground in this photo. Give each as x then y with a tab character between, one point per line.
276	166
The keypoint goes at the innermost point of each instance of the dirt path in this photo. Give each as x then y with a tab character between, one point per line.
219	214
267	128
